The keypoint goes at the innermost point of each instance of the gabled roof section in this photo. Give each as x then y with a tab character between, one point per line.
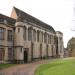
32	19
7	20
13	13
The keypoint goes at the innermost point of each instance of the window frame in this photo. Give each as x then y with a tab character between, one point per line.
10	35
2	33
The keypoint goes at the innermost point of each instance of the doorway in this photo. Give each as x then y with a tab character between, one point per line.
25	56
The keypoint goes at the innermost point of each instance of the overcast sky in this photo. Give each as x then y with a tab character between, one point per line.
57	13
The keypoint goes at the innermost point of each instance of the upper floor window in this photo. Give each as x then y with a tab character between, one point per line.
2	31
55	40
34	34
45	37
38	36
60	38
42	36
18	29
52	39
10	35
1	20
29	34
24	33
48	39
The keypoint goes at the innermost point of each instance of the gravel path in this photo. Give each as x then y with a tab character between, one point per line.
23	69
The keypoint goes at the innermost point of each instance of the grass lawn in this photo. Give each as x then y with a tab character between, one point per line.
2	66
57	67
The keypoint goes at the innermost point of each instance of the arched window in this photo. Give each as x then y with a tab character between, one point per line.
34	34
29	33
24	33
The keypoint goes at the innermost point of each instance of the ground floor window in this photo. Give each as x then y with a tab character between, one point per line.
47	50
10	53
40	50
32	47
52	50
2	53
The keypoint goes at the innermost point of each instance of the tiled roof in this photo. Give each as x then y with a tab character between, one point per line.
7	20
25	16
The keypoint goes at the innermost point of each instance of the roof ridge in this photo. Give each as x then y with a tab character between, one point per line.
32	19
31	15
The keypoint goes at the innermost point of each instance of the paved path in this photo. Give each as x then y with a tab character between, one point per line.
24	69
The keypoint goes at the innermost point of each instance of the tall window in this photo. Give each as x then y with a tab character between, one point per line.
40	50
52	50
10	53
34	35
50	38
29	34
18	30
10	35
32	48
55	40
38	36
24	33
1	20
2	52
60	39
45	37
2	30
42	36
47	50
